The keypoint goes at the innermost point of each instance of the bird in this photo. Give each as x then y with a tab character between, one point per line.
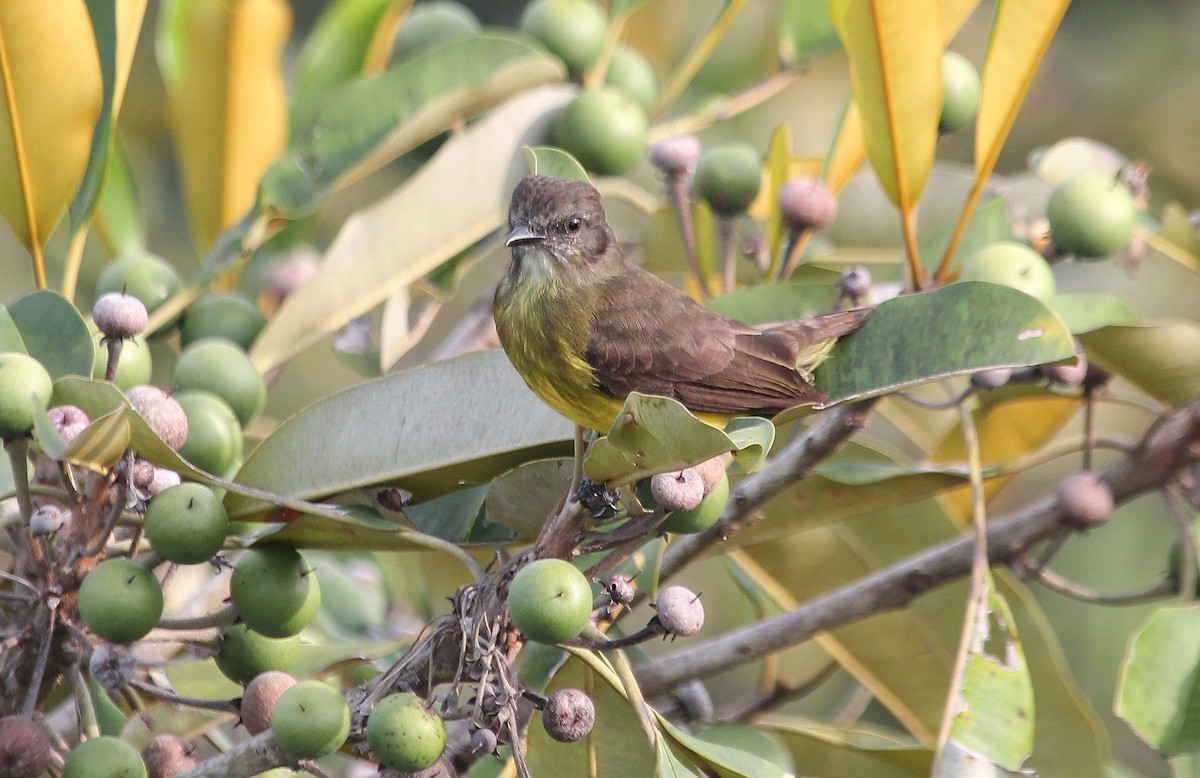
585	327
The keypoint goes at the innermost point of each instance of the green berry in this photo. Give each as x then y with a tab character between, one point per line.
214	436
144	276
550	601
703	515
728	177
631	73
574	30
1011	264
222	315
275	591
23	382
431	24
120	600
404	734
1091	216
104	757
311	720
186	524
605	129
245	654
217	366
960	92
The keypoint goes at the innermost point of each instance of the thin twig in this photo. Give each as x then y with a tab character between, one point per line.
1187	545
221	617
167	695
43	658
1055	582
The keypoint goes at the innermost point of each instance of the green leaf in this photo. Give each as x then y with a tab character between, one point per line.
860	749
1088	311
358	529
451	516
987	225
10	334
430	430
805	31
339	48
953	330
996	717
1160	681
553	161
768	303
523	499
895	52
372	120
54	333
723	760
655	434
433	215
118	215
777	168
1160	358
102	443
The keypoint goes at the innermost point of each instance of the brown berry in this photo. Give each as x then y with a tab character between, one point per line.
259	700
120	316
678	491
161	412
167	756
806	203
679	611
569	715
24	748
676	155
1084	499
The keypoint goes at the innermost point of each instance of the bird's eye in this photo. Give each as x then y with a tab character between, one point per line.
574	223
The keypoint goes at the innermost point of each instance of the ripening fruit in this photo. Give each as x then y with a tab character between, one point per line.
260	698
550	601
222	315
161	412
245	654
168	755
960	92
569	715
23	381
728	177
104	757
24	748
120	600
1011	264
631	73
119	315
144	276
275	591
433	24
677	491
1091	216
404	734
680	611
806	203
214	436
574	30
703	515
217	366
186	524
605	129
311	720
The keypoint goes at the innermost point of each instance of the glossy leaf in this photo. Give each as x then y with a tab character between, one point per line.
523	499
221	65
115	25
432	216
895	51
54	333
722	760
50	72
430	430
953	330
655	434
1088	311
118	215
997	709
1159	681
350	38
854	750
10	334
1160	358
777	170
359	529
552	161
370	121
767	303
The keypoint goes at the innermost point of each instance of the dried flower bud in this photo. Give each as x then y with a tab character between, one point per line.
620	589
112	665
855	283
47	520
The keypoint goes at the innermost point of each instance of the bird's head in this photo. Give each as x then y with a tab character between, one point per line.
557	226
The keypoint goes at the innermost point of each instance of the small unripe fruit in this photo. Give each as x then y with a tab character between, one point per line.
1091	216
549	601
712	472
23	381
604	128
104	757
186	524
47	520
433	24
143	276
311	720
676	155
855	283
1068	376
275	591
24	748
807	203
1011	264
991	379
704	515
1084	499
629	71
404	734
728	177
695	701
569	715
678	491
620	589
134	367
161	412
245	654
120	600
112	665
259	700
120	316
214	437
167	755
679	611
960	92
217	366
574	30
222	315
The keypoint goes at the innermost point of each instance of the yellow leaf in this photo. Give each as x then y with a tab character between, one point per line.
129	23
228	103
50	76
895	51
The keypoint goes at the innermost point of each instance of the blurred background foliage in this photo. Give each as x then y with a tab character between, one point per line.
1122	72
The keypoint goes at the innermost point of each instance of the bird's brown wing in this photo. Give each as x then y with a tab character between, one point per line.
652	338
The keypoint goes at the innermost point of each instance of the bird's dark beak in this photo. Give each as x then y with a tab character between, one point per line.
522	233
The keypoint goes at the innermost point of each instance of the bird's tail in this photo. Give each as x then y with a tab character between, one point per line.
815	335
